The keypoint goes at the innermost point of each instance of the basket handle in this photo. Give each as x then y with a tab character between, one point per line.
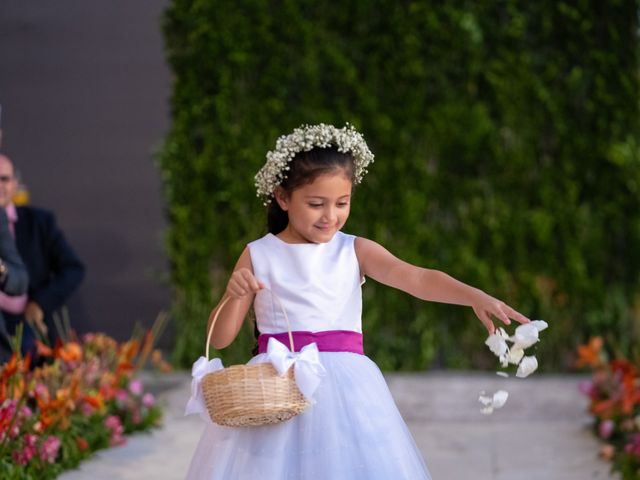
224	302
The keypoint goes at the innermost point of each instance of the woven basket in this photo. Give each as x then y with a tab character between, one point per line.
251	395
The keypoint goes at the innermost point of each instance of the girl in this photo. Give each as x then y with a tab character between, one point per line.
353	430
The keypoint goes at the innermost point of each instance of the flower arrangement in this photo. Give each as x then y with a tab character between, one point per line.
614	395
87	397
303	139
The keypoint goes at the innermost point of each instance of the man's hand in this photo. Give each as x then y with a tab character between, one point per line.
35	316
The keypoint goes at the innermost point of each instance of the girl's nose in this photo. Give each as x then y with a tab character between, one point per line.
330	214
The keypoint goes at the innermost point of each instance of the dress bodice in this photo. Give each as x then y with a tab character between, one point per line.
318	285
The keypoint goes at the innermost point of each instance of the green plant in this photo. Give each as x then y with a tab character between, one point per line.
506	147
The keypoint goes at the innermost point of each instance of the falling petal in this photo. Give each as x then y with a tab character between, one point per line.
504	360
526	335
497	344
503	374
515	354
500	398
540	324
527	366
502	333
491	403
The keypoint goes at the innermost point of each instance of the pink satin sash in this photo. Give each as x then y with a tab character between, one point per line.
327	341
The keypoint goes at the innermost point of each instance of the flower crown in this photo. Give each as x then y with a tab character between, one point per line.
304	139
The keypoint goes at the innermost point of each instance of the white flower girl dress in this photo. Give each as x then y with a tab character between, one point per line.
353	430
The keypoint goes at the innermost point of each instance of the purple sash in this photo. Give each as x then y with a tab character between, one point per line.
328	341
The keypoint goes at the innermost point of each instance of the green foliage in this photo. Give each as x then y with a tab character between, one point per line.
507	154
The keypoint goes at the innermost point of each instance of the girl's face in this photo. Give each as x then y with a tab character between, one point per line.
317	210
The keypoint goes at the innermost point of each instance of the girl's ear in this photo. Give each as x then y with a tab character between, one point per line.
282	197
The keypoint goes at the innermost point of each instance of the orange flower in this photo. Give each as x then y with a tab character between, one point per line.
95	401
43	350
82	444
129	350
70	352
630	392
607	451
11	367
590	354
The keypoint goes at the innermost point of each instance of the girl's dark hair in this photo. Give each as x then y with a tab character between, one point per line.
304	168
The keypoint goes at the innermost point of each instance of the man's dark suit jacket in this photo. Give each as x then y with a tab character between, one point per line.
54	269
15	281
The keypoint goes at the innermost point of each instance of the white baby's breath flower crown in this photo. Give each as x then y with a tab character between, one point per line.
304	139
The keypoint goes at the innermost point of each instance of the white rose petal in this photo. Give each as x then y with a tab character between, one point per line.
485	400
497	344
500	398
503	374
491	403
540	324
504	360
527	366
526	335
515	354
503	333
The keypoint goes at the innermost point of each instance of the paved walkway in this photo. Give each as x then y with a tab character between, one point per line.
540	434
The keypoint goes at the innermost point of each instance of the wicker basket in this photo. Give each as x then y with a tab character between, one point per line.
251	395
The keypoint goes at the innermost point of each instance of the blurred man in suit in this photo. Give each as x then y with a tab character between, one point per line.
13	278
54	269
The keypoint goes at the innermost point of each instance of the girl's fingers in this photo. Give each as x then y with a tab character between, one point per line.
517	316
502	316
250	281
486	321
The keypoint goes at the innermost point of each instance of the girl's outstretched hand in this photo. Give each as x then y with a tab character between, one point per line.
485	306
243	282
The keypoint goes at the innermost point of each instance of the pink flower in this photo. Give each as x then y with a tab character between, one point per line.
7	410
19	457
41	390
605	429
30	440
49	449
14	431
136	417
148	400
585	387
633	448
24	456
135	386
113	423
121	397
87	410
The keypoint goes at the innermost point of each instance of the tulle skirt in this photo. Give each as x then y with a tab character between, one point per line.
353	432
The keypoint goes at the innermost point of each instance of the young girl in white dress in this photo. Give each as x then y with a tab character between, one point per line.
353	430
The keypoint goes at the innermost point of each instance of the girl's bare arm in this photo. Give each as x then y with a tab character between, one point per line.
241	291
433	285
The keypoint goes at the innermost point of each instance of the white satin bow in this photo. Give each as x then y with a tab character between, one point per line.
200	368
308	370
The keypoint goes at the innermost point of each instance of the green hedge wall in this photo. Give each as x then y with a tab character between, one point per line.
507	154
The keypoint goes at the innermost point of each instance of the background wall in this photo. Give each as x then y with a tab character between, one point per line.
84	89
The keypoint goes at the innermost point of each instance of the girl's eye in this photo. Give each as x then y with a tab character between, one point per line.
343	204
315	205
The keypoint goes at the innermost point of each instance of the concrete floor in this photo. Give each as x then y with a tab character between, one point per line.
542	433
